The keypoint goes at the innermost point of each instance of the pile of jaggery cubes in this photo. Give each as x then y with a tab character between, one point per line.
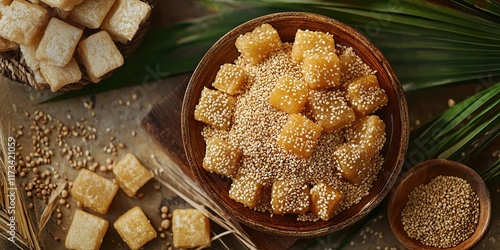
293	124
97	193
190	228
60	39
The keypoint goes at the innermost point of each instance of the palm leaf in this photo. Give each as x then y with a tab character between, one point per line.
449	134
492	171
452	117
456	151
428	43
490	7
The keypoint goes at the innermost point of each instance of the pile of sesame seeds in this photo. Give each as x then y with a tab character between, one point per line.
442	213
256	123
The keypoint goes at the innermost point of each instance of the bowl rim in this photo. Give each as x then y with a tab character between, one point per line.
394	83
393	214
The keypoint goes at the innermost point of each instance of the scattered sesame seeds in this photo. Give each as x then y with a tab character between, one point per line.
48	138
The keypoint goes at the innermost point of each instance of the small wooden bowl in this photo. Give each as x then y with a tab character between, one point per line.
395	116
422	174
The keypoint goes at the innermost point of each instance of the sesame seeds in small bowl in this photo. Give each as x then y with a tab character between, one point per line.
259	149
439	204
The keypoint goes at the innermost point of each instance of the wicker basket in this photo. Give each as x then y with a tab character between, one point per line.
13	66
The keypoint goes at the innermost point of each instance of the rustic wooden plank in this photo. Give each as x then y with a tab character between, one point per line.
163	122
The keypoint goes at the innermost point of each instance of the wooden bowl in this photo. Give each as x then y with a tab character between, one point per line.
395	116
423	173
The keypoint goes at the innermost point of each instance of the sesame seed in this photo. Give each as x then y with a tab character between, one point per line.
451	103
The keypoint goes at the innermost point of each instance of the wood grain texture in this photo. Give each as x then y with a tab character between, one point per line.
395	116
422	174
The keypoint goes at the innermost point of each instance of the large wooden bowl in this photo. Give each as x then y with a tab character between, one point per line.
422	174
395	116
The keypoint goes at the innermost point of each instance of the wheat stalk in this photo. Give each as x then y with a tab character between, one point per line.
195	196
25	235
47	212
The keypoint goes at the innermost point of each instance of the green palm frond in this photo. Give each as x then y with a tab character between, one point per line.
428	43
490	7
454	134
492	171
410	33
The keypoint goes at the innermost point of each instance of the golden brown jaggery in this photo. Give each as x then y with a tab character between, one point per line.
91	13
352	162
311	41
23	22
99	54
368	133
230	79
130	174
190	228
221	157
299	135
347	60
66	5
257	45
289	95
325	200
330	109
58	43
365	95
58	77
288	197
215	108
245	190
134	228
94	191
321	70
86	231
124	19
